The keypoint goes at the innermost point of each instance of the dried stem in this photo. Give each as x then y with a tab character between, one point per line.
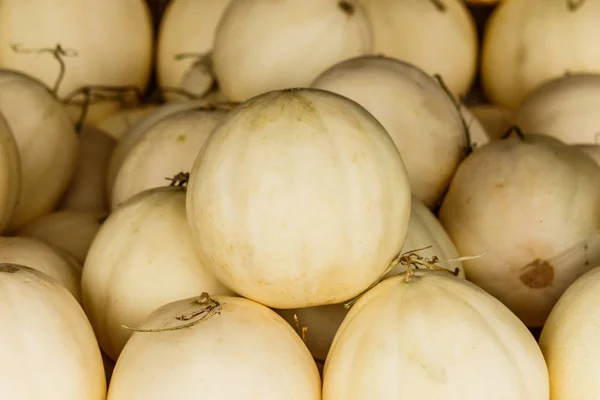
58	52
209	307
180	180
9	268
410	260
93	94
469	147
301	330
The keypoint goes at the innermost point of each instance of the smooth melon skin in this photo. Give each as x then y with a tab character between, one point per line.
437	337
10	173
164	150
142	257
418	114
71	231
48	347
87	190
424	230
298	198
565	108
438	36
261	46
246	351
527	43
187	28
45	258
47	144
116	125
569	341
527	208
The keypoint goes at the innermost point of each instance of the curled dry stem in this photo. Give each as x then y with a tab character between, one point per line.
93	94
179	180
574	5
516	130
469	147
208	308
8	268
410	260
58	52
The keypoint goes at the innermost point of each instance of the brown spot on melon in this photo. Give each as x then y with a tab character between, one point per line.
538	274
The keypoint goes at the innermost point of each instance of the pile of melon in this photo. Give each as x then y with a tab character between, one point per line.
299	199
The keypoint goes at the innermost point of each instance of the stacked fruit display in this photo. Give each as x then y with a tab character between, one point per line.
299	199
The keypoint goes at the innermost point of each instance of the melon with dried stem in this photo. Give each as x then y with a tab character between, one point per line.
71	231
116	125
531	205
138	130
429	335
165	149
87	189
45	258
142	257
10	173
438	36
569	343
530	42
262	46
575	121
425	235
185	41
298	198
419	115
191	349
46	140
47	339
114	53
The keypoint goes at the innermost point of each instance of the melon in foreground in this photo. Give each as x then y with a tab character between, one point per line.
569	341
222	348
142	257
298	198
434	337
48	347
426	236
